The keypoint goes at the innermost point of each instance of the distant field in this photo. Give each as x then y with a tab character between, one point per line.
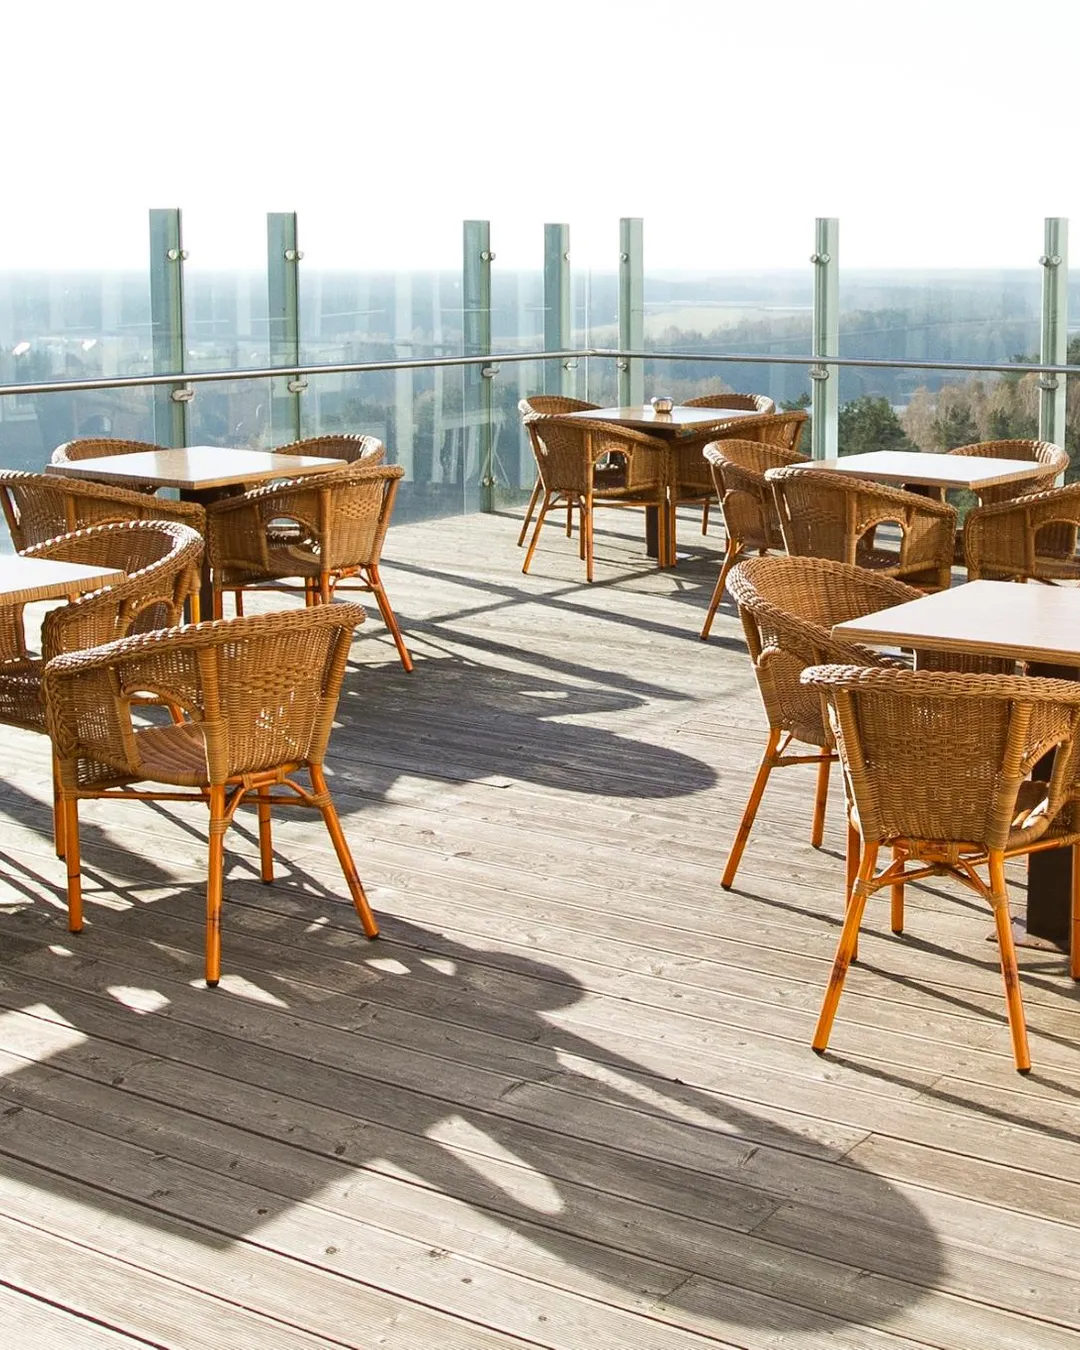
707	318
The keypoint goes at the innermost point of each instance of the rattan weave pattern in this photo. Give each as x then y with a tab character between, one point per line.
1033	537
1044	452
94	447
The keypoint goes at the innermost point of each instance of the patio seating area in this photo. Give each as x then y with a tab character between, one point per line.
567	1099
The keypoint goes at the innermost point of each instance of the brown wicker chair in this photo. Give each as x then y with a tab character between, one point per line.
1031	538
747	502
260	695
567	454
322	528
692	482
95	447
351	448
825	514
759	403
937	764
40	506
546	405
1044	452
161	560
788	607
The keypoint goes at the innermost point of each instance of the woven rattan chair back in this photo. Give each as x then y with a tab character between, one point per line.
95	447
759	403
40	506
353	449
938	767
825	514
259	694
1043	452
1029	538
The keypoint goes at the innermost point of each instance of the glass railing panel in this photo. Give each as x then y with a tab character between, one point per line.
74	305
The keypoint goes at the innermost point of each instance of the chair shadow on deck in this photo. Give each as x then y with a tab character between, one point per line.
446	1091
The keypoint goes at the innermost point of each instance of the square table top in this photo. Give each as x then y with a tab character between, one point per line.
196	468
933	470
23	580
644	417
993	618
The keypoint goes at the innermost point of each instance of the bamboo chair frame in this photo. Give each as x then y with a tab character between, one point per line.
1044	452
1029	538
788	607
545	405
826	514
935	765
568	452
259	694
323	528
747	503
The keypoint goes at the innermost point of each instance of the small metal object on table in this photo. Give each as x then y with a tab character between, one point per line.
1037	624
201	473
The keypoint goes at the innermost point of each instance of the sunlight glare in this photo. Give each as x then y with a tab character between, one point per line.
519	1179
236	984
140	1001
39	1040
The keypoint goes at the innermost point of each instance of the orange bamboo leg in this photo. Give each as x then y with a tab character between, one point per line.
705	518
325	588
238	602
581	531
266	846
537	489
587	532
536	532
896	901
851	872
1074	942
310	593
215	884
219	603
821	797
999	899
341	848
57	811
74	864
569	518
746	824
730	554
389	618
195	607
845	948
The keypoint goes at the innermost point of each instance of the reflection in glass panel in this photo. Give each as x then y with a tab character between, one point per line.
233	413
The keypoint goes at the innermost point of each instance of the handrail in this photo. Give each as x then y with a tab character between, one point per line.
497	358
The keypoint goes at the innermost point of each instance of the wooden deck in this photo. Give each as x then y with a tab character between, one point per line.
568	1099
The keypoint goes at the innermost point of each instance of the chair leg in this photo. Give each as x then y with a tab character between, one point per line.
341	848
821	797
389	618
705	517
537	489
999	899
746	824
569	518
238	602
194	607
325	588
215	883
72	859
845	949
266	846
587	532
730	554
851	873
536	531
218	611
1074	940
57	811
896	901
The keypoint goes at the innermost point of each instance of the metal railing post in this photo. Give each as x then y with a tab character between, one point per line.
283	290
824	381
167	257
1054	343
558	379
476	318
631	310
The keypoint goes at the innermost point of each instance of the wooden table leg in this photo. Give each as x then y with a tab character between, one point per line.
652	531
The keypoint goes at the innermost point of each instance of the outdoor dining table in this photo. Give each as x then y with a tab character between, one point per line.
1032	623
24	580
666	427
201	473
915	467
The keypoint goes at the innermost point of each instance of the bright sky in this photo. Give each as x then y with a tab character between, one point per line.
929	127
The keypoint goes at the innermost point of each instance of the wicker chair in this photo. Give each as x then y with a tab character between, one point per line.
353	449
546	405
1027	539
692	481
567	454
260	695
1044	452
936	764
95	447
787	607
825	514
161	560
322	528
40	506
747	502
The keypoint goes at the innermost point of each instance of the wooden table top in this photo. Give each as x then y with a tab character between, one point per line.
993	618
644	417
197	467
23	580
931	470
